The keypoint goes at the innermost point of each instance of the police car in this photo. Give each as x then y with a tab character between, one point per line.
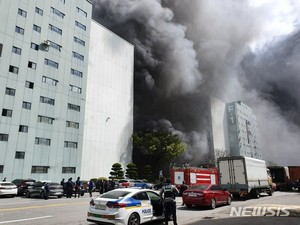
126	206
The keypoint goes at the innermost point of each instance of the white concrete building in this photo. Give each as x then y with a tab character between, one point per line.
243	132
109	103
53	90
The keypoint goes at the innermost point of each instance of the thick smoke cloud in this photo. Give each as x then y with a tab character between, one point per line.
234	50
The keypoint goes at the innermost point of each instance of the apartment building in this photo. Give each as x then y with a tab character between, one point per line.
243	134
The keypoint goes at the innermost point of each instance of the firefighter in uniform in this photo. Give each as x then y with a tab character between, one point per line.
168	194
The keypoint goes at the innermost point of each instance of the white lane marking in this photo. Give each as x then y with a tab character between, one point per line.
35	218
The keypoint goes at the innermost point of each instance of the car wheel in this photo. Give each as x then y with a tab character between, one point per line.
228	200
60	196
189	205
28	194
254	194
42	195
134	219
212	203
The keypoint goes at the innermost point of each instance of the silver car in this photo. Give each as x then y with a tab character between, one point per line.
8	189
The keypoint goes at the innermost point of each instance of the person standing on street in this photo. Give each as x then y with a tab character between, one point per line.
46	190
91	187
168	195
77	187
69	188
183	187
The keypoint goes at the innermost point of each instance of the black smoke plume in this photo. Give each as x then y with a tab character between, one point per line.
185	50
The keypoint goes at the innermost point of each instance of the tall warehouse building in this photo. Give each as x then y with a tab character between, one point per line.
64	111
243	132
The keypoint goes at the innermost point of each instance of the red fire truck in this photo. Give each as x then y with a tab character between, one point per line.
194	175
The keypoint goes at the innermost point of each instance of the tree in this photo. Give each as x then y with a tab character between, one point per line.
158	148
131	171
117	171
148	173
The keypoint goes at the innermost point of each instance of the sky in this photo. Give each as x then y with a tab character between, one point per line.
234	50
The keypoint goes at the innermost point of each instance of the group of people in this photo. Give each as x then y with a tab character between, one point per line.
168	194
70	187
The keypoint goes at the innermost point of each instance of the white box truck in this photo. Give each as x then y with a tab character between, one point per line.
244	176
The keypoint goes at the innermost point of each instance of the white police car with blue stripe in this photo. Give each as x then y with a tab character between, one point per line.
126	206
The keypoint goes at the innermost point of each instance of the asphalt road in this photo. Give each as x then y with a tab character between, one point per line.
23	211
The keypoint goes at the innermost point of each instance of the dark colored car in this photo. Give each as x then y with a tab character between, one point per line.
206	195
22	185
37	190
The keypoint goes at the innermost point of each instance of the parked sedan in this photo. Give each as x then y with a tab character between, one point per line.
141	184
22	185
129	206
37	190
8	189
206	195
126	183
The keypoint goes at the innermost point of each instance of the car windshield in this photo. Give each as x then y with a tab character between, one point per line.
199	187
115	194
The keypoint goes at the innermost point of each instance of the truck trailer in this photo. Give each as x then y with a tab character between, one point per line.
194	176
244	176
281	177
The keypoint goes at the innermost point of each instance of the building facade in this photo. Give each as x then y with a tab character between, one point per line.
109	103
243	134
44	64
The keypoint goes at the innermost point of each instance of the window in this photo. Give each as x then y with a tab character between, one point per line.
22	12
46	100
45	119
32	65
74	107
20	155
1	168
72	124
141	196
51	63
81	12
55	29
39	169
29	84
74	89
23	128
37	28
19	30
55	46
69	170
57	12
79	41
42	141
3	137
48	80
13	69
39	11
80	25
10	91
78	56
26	105
7	112
16	50
34	46
70	144
76	73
